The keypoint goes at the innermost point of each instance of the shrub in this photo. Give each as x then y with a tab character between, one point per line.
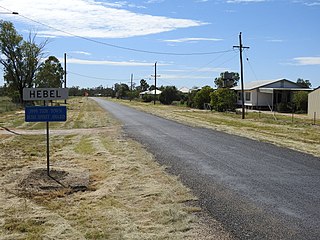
147	98
223	99
168	95
283	108
202	97
300	100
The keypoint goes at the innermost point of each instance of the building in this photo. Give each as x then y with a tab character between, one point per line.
314	104
158	92
184	90
268	94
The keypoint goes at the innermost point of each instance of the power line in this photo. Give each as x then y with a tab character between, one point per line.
121	47
97	78
251	66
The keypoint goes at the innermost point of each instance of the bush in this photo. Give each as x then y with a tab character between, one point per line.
300	100
202	97
283	108
147	98
223	99
168	95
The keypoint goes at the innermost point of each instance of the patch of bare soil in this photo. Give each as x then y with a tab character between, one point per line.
38	182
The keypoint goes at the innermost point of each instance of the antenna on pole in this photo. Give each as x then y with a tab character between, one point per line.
241	47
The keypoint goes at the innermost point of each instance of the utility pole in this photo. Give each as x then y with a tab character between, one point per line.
65	74
155	83
241	47
131	87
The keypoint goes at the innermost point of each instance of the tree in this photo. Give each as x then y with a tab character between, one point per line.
143	85
50	74
202	97
300	101
227	80
21	59
122	90
304	83
223	99
168	95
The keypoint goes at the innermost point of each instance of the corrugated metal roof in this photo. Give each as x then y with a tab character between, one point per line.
259	84
184	90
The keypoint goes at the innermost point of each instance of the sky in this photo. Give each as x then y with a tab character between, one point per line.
192	41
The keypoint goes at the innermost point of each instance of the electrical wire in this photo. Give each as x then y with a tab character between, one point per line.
251	68
92	77
121	47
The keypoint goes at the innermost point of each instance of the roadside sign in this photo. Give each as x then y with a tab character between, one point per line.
46	114
33	94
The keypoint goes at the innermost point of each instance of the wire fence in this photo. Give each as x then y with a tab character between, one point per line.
285	118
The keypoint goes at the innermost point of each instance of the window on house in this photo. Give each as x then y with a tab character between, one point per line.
248	96
239	96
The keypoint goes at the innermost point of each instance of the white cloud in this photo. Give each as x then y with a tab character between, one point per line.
89	18
313	3
204	69
180	40
109	63
275	40
181	77
81	52
154	1
307	60
245	1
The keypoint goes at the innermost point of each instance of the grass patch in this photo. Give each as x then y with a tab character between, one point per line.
84	146
6	105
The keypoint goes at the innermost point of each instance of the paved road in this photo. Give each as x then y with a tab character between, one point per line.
256	190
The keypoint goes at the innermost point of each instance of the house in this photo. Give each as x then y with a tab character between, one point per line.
268	94
314	104
152	92
184	90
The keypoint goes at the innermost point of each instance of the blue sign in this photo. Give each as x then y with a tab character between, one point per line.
46	114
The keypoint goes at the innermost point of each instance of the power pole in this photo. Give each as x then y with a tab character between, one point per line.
155	83
65	74
241	47
131	87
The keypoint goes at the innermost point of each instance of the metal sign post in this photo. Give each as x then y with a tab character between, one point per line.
45	113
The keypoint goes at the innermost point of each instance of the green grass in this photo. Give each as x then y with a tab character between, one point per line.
84	146
7	106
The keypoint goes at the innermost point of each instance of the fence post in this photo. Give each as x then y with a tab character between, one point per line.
314	118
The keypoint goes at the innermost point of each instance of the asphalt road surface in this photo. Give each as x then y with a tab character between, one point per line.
256	190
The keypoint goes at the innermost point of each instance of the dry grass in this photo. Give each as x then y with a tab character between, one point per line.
298	134
129	195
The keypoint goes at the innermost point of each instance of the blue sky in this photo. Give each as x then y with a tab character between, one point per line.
191	40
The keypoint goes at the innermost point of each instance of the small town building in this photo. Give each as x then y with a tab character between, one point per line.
314	104
268	94
152	92
184	90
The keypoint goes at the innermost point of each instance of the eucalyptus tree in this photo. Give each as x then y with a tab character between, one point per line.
49	74
20	59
